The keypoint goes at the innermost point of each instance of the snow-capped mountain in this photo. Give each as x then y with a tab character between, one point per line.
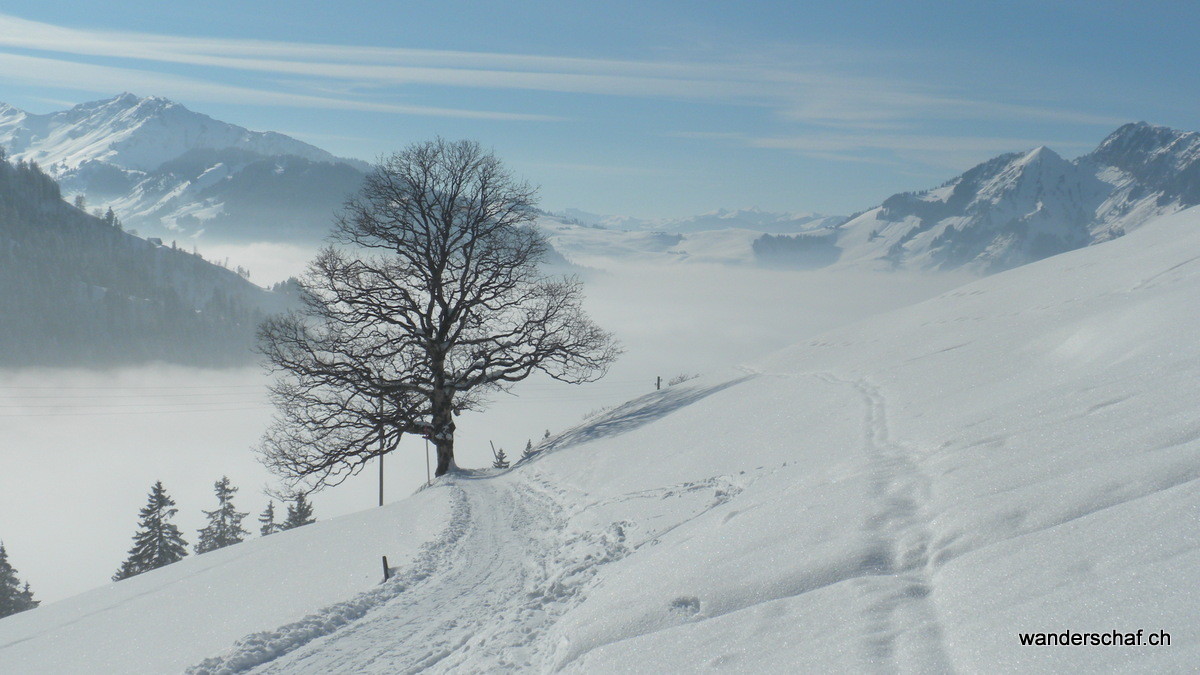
1021	207
168	170
1006	212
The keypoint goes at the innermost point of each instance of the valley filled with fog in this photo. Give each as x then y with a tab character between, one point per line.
90	443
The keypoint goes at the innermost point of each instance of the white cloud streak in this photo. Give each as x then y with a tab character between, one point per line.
310	75
41	71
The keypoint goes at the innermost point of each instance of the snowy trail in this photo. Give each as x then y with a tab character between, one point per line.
480	599
905	621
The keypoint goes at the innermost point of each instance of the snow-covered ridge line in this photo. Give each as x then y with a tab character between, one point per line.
1025	206
134	133
172	172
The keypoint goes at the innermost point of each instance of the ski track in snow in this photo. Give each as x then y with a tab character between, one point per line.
477	598
898	524
263	647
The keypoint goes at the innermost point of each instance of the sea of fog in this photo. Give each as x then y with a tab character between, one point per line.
80	449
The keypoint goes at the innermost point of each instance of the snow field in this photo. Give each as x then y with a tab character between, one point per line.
903	494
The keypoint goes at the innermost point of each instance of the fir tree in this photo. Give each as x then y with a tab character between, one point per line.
14	596
500	461
266	520
299	513
157	542
225	523
529	451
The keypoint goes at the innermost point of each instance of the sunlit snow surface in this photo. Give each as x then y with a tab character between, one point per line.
902	494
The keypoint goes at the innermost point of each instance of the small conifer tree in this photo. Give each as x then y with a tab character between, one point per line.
225	523
158	541
266	520
14	596
529	451
299	513
500	461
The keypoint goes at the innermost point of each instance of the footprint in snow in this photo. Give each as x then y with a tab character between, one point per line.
687	605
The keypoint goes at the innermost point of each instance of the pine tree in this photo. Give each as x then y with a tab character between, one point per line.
529	451
501	462
266	520
224	524
157	542
299	513
14	597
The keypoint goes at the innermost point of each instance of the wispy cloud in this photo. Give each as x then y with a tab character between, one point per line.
107	79
888	149
799	92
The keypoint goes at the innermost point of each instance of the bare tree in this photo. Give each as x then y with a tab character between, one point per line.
431	299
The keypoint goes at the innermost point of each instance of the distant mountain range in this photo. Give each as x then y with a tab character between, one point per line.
1008	211
172	172
1021	207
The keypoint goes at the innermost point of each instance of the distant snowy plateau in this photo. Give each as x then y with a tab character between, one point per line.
903	494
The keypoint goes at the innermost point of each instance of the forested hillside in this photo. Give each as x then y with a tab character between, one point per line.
76	289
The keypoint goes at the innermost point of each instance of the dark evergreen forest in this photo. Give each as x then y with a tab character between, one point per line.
78	290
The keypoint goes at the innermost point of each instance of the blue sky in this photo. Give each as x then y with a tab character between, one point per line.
653	109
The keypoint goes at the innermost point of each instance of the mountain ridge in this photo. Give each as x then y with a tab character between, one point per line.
1024	206
174	172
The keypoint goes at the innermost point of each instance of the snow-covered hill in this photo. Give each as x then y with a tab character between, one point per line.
168	170
903	494
1022	207
76	289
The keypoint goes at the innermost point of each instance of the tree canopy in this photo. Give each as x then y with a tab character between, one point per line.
433	297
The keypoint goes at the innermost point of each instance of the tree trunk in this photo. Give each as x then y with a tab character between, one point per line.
445	455
443	434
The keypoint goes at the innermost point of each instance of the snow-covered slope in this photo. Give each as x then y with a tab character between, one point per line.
134	133
162	167
1022	207
904	494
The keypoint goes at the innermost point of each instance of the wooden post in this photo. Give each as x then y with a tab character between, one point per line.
387	573
658	383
